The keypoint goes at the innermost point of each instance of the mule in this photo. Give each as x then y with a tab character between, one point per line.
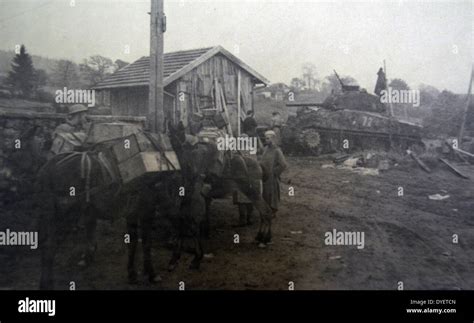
203	170
97	190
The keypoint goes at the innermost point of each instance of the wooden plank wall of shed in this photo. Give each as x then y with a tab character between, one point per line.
133	101
196	86
199	83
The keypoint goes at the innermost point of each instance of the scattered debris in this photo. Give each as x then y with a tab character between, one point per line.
334	257
438	197
454	169
463	152
447	253
209	255
365	171
340	159
296	232
352	162
419	161
327	166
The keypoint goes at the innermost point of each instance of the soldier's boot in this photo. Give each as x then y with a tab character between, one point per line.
268	236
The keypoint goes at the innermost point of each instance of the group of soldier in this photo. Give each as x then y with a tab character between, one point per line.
263	170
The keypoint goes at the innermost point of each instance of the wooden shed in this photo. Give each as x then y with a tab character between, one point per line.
190	78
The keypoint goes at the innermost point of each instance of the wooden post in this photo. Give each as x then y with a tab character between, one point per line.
468	103
391	108
238	103
155	115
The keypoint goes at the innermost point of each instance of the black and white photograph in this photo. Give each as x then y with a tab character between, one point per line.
257	146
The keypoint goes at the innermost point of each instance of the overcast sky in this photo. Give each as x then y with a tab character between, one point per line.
427	42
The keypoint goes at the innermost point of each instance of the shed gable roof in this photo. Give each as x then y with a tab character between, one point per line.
176	64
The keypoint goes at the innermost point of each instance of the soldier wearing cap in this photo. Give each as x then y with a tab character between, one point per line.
76	120
73	132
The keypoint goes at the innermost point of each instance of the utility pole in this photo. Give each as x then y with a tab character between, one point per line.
468	103
155	117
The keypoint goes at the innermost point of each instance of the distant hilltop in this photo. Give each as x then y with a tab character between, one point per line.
39	62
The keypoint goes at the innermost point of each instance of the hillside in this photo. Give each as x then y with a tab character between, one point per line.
39	62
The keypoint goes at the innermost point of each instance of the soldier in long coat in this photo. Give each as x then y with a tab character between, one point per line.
273	164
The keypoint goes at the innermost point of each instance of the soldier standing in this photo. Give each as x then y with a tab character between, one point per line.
249	125
381	82
273	164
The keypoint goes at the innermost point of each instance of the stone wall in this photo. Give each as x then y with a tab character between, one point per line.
25	137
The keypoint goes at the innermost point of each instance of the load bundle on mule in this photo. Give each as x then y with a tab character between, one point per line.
136	154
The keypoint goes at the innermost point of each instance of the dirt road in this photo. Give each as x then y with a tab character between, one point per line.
408	238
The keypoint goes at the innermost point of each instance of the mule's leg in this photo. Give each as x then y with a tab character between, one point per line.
198	250
48	252
146	234
242	215
177	248
249	213
207	223
268	234
265	214
90	219
47	240
132	230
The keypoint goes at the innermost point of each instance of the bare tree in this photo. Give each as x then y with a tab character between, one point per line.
65	73
297	84
310	76
96	68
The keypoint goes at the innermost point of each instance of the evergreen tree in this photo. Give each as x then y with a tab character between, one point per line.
22	76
